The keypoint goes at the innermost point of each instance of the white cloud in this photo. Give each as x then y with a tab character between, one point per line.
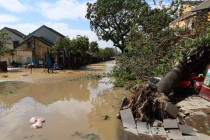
13	5
25	28
7	18
63	9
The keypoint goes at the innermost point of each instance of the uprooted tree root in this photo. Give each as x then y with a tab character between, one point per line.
147	103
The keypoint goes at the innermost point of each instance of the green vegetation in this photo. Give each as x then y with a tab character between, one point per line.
113	20
10	92
88	136
4	37
81	46
150	47
106	53
92	76
94	48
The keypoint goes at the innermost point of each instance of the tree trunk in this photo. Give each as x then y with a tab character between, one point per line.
171	78
149	102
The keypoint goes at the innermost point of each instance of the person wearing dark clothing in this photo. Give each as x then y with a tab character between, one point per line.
49	62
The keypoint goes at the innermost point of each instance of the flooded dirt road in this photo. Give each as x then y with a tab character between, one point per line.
73	109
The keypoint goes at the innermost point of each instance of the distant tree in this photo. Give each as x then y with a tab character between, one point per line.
101	54
82	44
62	44
114	19
79	44
93	47
106	53
4	37
110	52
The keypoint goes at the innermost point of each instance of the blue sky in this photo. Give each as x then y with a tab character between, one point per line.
65	16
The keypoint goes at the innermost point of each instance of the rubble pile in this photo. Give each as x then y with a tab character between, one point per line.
149	114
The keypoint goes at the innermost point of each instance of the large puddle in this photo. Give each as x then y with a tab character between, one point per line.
73	109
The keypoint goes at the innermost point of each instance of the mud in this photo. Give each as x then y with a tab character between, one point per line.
200	122
72	109
7	87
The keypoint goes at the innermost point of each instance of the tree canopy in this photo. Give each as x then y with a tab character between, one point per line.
114	19
81	45
61	44
4	37
94	48
75	45
154	48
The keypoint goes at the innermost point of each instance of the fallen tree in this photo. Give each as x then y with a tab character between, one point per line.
148	102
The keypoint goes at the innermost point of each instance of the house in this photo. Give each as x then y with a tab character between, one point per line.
36	45
33	49
16	38
195	19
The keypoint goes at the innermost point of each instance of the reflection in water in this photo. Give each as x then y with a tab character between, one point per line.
67	106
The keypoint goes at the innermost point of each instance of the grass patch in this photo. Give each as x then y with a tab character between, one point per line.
86	136
91	76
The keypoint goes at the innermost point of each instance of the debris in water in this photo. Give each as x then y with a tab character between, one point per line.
106	117
36	122
118	116
157	123
11	92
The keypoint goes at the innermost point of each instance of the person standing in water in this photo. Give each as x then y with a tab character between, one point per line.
49	62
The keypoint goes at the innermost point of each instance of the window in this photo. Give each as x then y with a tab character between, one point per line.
15	44
29	45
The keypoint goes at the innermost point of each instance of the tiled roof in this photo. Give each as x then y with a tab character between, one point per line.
44	26
15	32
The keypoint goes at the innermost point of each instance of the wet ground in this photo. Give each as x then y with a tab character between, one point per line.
198	110
73	109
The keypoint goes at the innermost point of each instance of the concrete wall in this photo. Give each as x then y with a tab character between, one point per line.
187	23
186	8
23	57
37	51
41	49
8	58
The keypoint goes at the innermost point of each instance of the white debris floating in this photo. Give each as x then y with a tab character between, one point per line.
36	122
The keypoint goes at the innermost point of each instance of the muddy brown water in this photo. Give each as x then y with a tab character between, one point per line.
73	109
